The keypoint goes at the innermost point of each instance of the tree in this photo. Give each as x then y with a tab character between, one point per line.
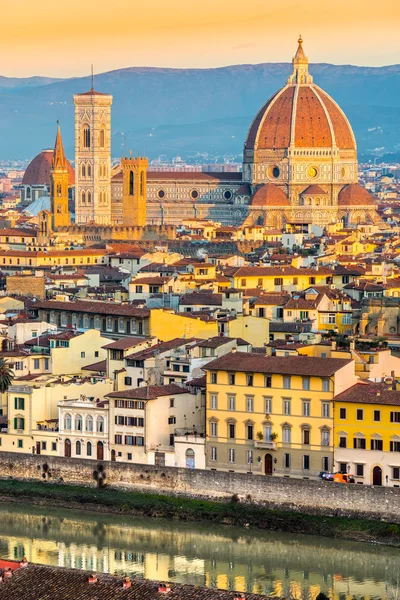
6	375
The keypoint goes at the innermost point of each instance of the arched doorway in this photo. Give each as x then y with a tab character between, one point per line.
67	448
377	476
113	456
100	450
268	464
190	459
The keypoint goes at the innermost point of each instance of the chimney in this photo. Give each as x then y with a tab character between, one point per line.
92	578
334	345
234	350
352	345
126	583
378	393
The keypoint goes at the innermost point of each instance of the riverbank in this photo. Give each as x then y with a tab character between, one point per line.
233	512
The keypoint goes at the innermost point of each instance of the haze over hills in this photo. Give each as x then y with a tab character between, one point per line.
185	111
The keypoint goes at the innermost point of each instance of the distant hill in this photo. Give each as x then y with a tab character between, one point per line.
186	111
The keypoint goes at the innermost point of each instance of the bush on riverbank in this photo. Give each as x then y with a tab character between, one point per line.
188	509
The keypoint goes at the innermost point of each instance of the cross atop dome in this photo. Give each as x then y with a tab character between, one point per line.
300	73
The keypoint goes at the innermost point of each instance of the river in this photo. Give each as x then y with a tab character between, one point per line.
295	566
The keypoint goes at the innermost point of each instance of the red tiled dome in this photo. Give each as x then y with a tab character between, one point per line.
39	169
303	116
269	195
355	195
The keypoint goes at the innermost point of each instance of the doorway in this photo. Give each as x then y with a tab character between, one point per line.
268	464
100	451
113	455
37	447
377	476
67	448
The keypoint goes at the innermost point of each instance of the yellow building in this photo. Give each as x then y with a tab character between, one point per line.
367	433
275	279
273	415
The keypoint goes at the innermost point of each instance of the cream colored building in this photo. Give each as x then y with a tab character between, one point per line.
71	350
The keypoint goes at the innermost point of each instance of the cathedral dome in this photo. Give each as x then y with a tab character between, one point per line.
39	169
355	195
300	115
269	195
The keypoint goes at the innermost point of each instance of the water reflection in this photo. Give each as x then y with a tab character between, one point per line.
294	566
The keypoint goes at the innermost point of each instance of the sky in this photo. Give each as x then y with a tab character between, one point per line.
62	39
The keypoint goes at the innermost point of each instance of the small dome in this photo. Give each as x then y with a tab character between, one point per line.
269	195
355	195
42	203
39	169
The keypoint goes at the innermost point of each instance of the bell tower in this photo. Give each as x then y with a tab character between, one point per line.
134	196
93	157
59	185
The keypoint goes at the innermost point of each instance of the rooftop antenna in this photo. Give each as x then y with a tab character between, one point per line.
92	89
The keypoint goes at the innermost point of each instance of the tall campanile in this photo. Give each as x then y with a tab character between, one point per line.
93	158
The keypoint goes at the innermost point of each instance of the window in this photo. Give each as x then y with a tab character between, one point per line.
395	417
142	183
359	470
267	433
268	381
19	403
231	378
19	365
89	449
67	422
171	402
102	138
278	281
20	443
306	408
243	282
306	383
83	354
325	384
394	446
214	401
249	380
342	413
286	382
231	430
53	446
306	437
89	423
249	403
213	377
343	442
213	429
36	364
360	414
171	420
359	443
118	439
78	422
213	453
268	405
286	461
306	462
96	354
46	364
325	463
249	457
78	450
19	423
377	415
231	402
100	424
128	380
376	444
396	473
326	410
231	455
86	136
286	435
325	437
250	432
286	407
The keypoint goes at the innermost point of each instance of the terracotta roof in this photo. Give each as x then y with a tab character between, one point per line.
151	280
218	341
280	271
100	367
159	349
272	300
319	122
284	365
104	308
150	392
124	343
370	393
299	303
201	298
355	194
39	169
18	232
314	189
270	195
92	92
244	190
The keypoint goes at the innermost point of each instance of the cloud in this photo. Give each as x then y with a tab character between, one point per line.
244	46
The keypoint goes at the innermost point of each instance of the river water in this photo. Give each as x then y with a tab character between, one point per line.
281	564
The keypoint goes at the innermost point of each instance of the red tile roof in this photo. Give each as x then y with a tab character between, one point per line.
355	194
101	308
150	392
269	195
124	343
370	393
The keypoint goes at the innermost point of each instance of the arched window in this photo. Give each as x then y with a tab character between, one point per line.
89	423
83	171
131	183
89	170
100	424
190	459
78	448
28	192
102	138
83	197
89	197
67	422
89	449
141	183
86	136
78	422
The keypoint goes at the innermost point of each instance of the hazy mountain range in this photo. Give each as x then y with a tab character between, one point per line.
185	111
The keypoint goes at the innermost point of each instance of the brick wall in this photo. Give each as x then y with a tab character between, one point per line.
312	497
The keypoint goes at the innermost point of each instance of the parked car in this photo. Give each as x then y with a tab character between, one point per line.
326	476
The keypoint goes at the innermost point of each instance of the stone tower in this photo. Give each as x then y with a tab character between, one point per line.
134	184
59	185
93	158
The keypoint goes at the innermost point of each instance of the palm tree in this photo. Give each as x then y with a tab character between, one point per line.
6	375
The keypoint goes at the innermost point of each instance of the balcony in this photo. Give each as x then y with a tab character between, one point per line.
262	445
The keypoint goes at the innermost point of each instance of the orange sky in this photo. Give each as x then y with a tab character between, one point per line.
47	37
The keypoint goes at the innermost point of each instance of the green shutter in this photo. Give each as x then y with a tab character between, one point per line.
15	422
22	423
22	403
15	403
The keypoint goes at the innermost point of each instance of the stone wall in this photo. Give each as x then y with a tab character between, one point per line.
312	497
26	285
